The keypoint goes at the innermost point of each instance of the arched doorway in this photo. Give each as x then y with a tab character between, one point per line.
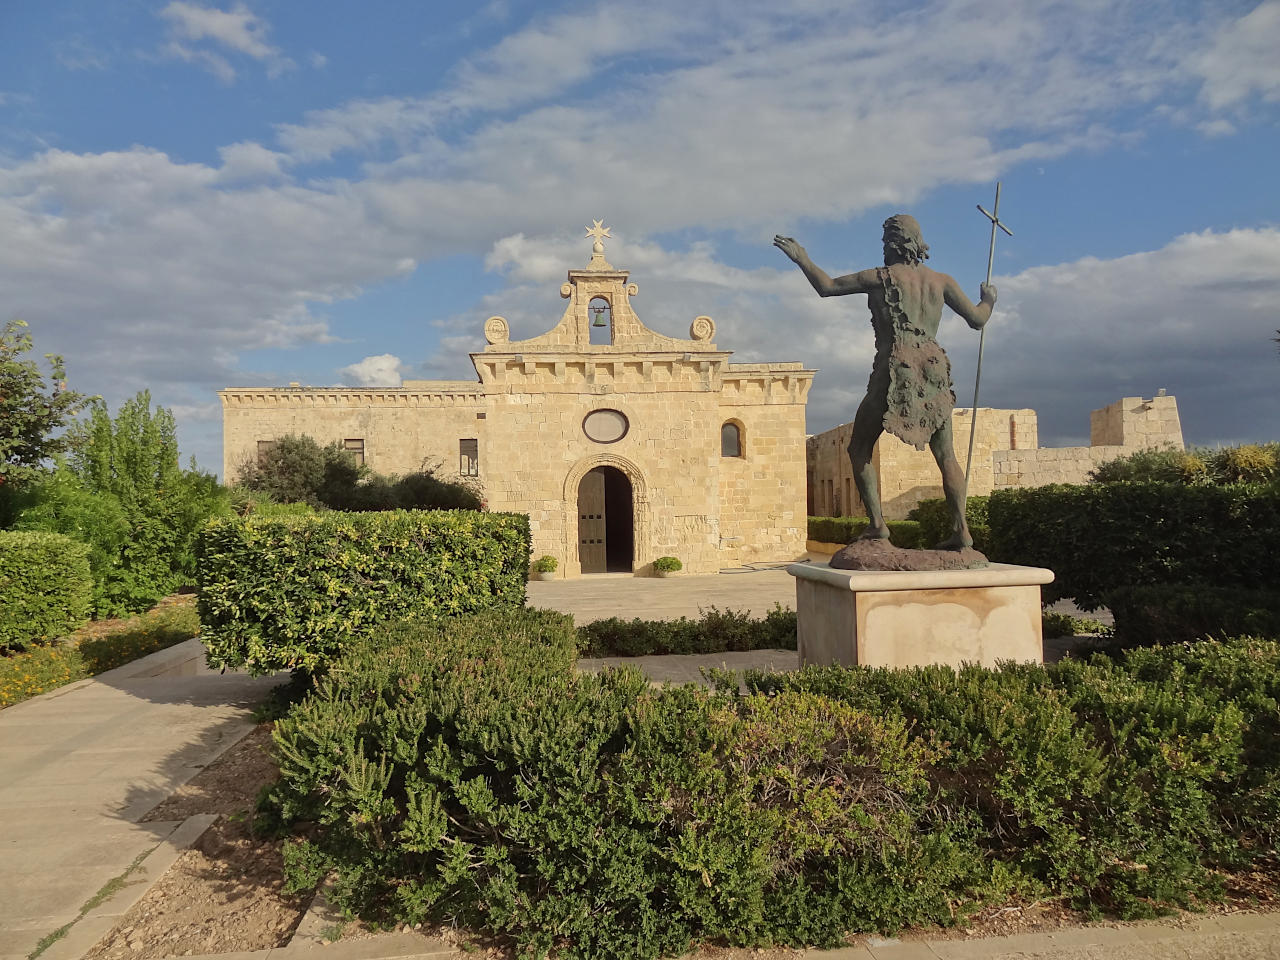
606	531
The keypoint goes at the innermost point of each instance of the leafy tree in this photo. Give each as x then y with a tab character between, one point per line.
298	470
123	492
31	411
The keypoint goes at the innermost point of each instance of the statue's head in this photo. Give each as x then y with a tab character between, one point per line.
902	240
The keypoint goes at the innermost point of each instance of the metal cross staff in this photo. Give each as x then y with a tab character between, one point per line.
994	217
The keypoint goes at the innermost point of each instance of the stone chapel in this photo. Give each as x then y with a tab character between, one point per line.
621	444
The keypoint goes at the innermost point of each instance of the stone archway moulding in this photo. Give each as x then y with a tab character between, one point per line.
640	518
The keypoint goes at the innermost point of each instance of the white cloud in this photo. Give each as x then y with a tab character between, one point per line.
250	161
1243	59
1194	317
238	30
384	370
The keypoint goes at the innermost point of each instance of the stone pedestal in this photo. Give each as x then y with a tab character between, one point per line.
898	618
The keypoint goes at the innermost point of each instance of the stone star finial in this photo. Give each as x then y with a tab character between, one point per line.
599	231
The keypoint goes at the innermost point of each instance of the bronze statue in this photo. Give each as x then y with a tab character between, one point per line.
909	392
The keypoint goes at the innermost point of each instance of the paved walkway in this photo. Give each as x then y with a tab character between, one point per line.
80	765
601	596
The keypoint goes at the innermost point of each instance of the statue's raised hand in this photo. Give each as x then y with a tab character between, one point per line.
788	246
988	293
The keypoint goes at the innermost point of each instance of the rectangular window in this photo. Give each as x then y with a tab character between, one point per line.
265	447
469	458
356	449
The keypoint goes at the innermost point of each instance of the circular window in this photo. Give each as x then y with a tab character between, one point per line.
605	426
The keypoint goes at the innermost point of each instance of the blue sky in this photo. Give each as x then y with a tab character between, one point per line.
196	195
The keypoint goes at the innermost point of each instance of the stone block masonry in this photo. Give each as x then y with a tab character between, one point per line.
1006	454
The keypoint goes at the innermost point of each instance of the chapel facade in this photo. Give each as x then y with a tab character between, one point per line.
621	444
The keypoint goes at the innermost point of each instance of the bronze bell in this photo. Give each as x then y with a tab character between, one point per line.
599	321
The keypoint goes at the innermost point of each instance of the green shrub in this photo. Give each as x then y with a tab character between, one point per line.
545	564
124	495
1098	537
934	517
45	588
289	592
716	632
40	669
1055	624
1250	463
1178	613
468	776
1125	785
667	564
1160	466
902	533
298	470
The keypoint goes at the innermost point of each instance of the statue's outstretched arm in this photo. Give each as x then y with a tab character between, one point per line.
859	282
975	316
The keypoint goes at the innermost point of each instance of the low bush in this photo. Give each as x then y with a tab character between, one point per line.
469	776
1125	784
902	533
281	593
1097	537
1055	624
1249	463
41	669
934	517
464	774
1177	613
45	588
718	631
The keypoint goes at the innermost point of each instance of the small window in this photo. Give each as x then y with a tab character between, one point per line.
356	449
264	448
469	458
730	440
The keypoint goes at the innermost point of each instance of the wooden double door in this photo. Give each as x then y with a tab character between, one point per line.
606	534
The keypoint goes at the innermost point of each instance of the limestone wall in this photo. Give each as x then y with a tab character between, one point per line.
1006	454
400	427
762	493
1137	424
908	475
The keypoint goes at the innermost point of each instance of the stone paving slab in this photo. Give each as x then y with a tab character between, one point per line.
602	596
80	765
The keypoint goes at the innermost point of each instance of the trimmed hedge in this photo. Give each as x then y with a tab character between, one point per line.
1177	613
45	588
934	517
289	592
1101	536
717	632
464	774
902	533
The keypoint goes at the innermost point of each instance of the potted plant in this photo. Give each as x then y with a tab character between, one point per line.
544	568
666	566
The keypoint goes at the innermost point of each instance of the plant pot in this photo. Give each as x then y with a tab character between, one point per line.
666	573
544	574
